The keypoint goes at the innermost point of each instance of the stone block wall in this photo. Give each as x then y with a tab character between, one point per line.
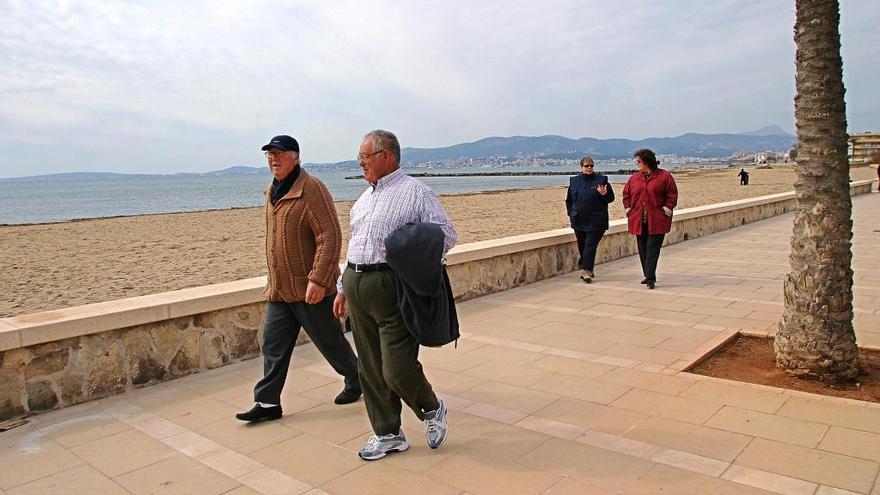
66	372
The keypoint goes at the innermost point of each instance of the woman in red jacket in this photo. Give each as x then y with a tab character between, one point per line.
649	197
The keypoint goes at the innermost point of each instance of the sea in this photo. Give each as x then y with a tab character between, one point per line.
42	200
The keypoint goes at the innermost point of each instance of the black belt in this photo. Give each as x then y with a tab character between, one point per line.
374	267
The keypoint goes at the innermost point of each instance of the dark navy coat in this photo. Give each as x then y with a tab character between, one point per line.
587	209
424	293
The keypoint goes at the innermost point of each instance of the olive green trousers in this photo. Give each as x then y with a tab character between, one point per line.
388	355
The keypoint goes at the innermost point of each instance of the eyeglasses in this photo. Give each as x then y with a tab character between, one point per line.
273	153
590	165
364	156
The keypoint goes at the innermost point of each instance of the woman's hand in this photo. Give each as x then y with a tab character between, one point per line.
667	211
602	189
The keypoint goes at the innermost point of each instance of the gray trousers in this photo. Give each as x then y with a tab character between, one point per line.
283	321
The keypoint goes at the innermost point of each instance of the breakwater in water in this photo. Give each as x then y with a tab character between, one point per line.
505	174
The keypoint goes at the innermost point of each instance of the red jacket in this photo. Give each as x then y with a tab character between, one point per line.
650	195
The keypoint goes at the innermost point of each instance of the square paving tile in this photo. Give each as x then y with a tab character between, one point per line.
332	422
490	437
88	427
682	409
854	443
593	465
716	391
823	411
82	480
687	437
123	452
481	474
196	412
570	486
592	416
758	424
510	374
510	397
177	475
380	478
572	367
246	437
827	468
310	459
665	479
586	389
654	382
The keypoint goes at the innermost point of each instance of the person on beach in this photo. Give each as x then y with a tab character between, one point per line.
586	202
389	366
303	241
649	197
743	177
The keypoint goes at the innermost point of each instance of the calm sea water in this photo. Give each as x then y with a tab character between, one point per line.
37	201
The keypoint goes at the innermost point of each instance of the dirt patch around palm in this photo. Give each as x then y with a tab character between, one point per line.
751	359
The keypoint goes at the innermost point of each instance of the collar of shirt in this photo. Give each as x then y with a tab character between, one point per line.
388	180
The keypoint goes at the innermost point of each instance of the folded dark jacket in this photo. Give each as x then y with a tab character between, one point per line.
415	252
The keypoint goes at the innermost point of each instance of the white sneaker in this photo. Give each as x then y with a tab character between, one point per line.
436	427
378	447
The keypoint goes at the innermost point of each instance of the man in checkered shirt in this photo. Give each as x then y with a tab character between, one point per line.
388	362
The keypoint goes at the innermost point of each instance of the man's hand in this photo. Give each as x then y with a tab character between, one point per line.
314	293
339	305
602	189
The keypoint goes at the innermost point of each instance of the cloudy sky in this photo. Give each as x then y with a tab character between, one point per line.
166	86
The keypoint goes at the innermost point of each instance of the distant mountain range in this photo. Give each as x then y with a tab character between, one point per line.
770	138
691	144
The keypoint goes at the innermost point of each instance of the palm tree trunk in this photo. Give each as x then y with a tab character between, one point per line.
816	336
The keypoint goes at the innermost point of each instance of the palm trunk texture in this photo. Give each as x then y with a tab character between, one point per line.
816	337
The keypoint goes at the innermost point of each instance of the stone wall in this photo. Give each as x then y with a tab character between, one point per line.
66	372
558	255
63	357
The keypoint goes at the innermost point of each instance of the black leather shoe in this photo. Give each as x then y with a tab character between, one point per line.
348	395
644	281
650	284
259	413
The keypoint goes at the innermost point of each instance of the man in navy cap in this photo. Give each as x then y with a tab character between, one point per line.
303	241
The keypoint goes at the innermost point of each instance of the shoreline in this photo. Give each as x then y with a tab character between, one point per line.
260	207
60	264
685	170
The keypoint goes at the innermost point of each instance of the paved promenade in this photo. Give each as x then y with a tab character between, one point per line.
558	388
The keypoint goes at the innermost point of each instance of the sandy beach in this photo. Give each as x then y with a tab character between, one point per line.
50	266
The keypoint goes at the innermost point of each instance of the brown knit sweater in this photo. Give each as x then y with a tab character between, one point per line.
303	240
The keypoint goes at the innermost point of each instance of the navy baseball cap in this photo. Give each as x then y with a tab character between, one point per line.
283	143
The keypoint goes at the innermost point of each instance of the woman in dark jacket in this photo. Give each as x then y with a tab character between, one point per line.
649	197
587	204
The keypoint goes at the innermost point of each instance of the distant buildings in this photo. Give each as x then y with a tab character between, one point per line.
862	147
765	157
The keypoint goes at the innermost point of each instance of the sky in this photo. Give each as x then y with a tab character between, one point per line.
164	86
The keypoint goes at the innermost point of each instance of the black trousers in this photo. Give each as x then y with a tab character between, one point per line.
649	252
588	244
283	322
